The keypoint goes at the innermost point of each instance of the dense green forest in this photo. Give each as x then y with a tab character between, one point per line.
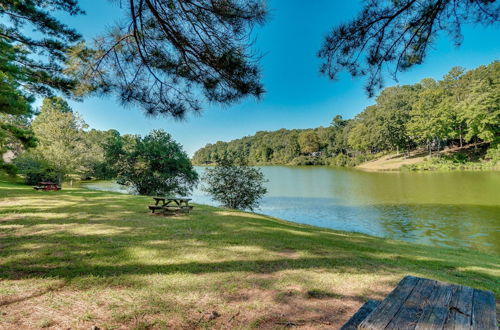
461	109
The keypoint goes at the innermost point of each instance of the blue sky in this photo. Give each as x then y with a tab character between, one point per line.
297	96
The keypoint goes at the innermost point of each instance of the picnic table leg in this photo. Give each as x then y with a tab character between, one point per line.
185	206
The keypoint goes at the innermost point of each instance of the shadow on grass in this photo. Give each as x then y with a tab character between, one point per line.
14	300
78	234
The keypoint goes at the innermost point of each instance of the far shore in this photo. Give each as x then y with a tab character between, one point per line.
398	161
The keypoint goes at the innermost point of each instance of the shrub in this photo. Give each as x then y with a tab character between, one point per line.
234	184
156	165
493	153
34	169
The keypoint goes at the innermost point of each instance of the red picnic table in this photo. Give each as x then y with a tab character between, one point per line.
47	186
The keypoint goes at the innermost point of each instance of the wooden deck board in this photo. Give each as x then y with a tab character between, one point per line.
385	311
411	310
483	316
360	315
419	303
435	312
460	311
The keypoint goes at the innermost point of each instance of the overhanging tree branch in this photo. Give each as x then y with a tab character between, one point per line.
396	34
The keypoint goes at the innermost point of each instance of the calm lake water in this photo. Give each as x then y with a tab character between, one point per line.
456	209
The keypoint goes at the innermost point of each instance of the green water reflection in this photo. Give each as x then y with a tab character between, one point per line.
457	209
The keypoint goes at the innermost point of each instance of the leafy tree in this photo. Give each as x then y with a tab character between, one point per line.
156	165
15	136
168	56
234	184
309	142
100	155
393	113
60	137
455	88
430	123
481	110
15	110
35	168
366	132
338	122
337	141
357	137
398	34
114	146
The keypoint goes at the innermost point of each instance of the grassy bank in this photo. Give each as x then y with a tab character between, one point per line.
391	162
78	258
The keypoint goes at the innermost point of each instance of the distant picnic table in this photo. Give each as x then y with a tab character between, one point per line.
420	303
173	204
47	186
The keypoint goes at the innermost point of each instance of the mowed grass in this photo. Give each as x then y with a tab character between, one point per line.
78	258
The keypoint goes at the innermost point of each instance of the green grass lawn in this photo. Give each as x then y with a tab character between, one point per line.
78	258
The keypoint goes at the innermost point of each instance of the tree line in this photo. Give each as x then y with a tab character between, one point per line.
461	108
154	164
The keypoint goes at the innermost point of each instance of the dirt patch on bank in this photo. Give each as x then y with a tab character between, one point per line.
391	162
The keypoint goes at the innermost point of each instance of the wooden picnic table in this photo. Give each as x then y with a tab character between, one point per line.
171	204
419	303
47	186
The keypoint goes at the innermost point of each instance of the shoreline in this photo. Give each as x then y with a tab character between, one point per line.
102	255
452	244
270	217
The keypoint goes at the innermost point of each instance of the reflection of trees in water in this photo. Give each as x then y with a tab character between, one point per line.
473	226
448	209
453	188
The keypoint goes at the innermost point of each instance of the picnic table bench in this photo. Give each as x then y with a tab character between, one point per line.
419	303
171	205
47	186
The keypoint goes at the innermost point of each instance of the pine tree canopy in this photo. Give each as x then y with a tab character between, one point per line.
172	56
36	60
397	35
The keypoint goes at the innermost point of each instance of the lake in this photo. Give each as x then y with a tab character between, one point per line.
455	209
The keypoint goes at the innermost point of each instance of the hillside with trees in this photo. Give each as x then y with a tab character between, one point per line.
459	111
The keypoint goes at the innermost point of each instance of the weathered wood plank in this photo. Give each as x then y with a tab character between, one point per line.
360	315
412	308
435	312
483	310
460	309
385	311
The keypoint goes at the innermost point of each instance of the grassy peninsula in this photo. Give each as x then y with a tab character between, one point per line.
79	258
